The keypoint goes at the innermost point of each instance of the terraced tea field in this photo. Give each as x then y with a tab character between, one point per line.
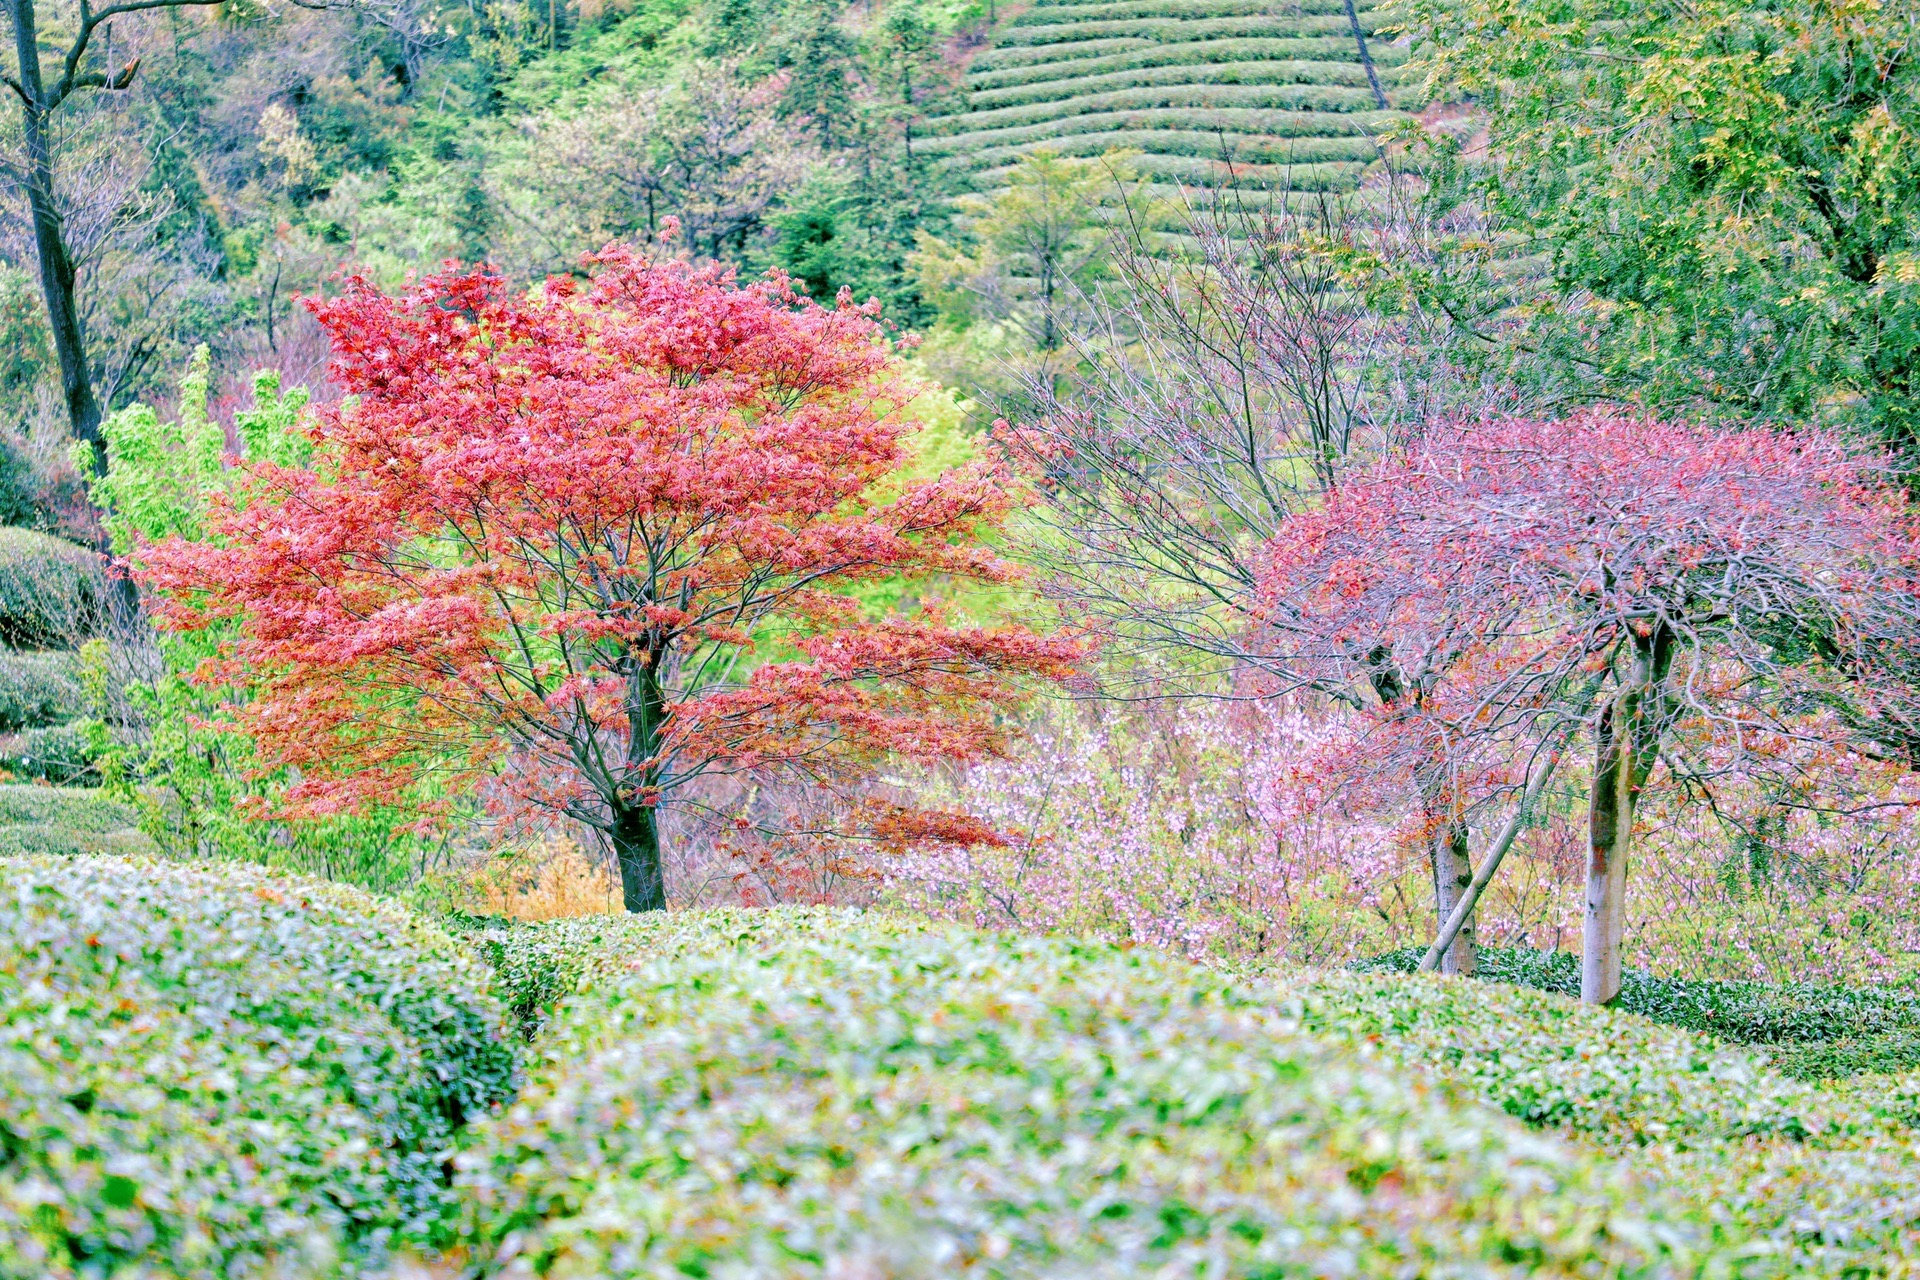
1211	94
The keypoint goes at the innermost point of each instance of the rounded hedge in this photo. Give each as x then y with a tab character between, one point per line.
820	1093
53	593
213	1072
38	689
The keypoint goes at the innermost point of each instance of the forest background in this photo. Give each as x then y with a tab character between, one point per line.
1721	228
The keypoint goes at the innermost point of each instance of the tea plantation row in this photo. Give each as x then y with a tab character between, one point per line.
212	1072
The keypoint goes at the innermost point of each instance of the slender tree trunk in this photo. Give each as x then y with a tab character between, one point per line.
636	844
1366	57
1452	874
1626	745
56	267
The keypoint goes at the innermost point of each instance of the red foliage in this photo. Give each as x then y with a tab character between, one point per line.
553	525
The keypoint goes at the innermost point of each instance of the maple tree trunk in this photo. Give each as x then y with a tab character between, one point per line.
636	844
635	831
1626	745
1452	873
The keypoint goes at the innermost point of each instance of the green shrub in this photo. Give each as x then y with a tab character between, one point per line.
1820	1181
210	1072
1808	1023
819	1093
1199	171
62	754
67	821
1070	12
52	593
1278	103
37	689
1287	85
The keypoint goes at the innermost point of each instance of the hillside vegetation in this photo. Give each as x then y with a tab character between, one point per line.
1237	94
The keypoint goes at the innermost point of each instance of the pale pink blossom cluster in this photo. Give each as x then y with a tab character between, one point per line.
1197	827
1217	829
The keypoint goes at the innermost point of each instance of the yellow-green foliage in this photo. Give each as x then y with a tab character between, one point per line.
809	1093
215	1073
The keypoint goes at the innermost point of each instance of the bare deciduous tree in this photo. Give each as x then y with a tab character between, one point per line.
81	67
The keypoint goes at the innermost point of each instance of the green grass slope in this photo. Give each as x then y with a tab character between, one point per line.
1211	94
214	1072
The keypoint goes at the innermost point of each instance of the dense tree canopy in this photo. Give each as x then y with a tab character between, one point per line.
603	536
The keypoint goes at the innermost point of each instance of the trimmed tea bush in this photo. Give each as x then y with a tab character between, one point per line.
61	754
52	592
216	1073
1077	79
37	689
67	821
1824	1182
820	1093
1813	1032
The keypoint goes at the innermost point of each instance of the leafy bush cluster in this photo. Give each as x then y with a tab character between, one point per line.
53	596
1096	56
1247	61
809	1092
1205	171
66	821
1068	79
1817	1181
1046	13
213	1072
52	593
1811	1031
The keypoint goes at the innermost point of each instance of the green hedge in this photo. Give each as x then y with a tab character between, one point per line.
38	689
1814	1032
820	1093
61	754
1072	12
1295	86
216	1073
1278	101
1820	1181
1177	131
1178	30
67	821
52	592
1118	52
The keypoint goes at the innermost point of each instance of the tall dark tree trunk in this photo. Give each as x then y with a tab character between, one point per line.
1626	747
56	266
635	829
636	845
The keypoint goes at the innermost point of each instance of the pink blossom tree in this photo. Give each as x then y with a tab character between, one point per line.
1733	604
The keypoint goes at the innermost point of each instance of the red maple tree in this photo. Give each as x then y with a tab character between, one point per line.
1733	604
604	535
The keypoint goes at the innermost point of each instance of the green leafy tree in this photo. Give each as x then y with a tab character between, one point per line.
1727	192
1024	266
197	786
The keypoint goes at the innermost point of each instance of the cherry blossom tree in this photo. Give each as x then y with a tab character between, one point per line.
596	542
1731	604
